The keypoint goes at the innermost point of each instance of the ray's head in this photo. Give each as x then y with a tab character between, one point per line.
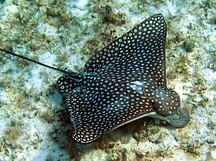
167	104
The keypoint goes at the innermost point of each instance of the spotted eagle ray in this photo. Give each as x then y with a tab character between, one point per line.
121	83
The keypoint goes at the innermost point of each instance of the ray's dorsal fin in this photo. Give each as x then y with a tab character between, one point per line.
70	74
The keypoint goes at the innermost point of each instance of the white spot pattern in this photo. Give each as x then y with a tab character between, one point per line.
123	81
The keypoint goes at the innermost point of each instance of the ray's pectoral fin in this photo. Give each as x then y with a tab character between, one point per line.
167	105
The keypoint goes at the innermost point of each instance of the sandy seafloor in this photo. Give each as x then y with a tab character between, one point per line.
34	124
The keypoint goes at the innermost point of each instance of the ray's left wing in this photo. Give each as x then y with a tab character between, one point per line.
138	54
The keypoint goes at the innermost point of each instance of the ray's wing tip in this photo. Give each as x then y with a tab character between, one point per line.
156	19
158	16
